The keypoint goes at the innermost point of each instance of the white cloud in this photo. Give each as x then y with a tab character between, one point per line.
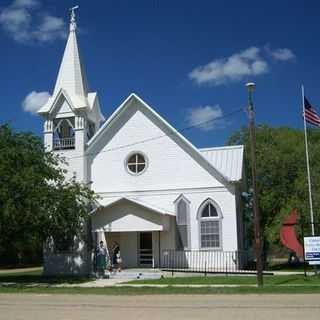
50	29
34	101
250	62
25	21
202	117
25	3
16	21
236	67
282	54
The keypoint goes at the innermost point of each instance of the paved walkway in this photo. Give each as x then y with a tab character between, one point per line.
155	307
94	284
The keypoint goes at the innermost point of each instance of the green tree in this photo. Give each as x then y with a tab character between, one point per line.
35	200
281	174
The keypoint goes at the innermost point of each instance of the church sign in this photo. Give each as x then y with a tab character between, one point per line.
312	249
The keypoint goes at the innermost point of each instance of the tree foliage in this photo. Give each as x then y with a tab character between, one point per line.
281	173
35	200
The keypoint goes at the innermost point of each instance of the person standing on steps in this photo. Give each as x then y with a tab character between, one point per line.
116	258
101	260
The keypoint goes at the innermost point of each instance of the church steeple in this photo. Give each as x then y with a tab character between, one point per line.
72	114
71	76
72	83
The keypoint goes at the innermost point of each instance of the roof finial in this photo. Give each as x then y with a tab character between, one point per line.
73	24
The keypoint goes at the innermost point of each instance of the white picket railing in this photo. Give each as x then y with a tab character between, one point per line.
65	143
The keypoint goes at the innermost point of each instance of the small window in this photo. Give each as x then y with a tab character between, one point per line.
136	163
182	212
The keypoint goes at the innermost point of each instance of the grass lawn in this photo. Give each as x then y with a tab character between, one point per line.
27	277
20	270
167	290
240	280
34	282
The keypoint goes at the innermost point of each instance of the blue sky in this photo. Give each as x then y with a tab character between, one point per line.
188	59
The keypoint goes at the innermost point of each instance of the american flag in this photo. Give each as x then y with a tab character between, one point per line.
310	113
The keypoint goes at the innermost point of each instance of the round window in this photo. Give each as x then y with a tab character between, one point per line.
136	163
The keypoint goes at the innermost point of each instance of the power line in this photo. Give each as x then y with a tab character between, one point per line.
197	125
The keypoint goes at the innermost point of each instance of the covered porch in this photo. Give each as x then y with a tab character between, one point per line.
141	230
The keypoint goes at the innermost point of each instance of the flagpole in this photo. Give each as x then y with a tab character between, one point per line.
308	165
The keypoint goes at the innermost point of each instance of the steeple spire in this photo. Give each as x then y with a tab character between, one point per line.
71	76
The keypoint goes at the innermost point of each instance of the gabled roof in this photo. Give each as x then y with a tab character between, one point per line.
228	160
140	203
193	150
94	105
73	101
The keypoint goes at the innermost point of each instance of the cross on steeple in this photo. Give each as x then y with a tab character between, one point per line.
73	24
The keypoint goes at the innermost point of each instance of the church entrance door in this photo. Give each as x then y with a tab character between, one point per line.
145	256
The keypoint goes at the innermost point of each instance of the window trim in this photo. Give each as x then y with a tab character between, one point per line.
126	162
187	202
218	218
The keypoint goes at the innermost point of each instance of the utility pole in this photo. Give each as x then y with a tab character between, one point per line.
256	215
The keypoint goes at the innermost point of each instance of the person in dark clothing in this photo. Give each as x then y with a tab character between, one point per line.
101	260
115	254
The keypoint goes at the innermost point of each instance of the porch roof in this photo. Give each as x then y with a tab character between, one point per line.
109	202
127	215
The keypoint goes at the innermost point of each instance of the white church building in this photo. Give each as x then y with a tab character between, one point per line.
158	193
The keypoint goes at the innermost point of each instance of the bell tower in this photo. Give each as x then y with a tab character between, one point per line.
72	114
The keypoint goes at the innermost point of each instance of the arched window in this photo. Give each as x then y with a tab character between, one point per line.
182	218
210	226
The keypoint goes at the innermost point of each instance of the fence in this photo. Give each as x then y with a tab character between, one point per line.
207	261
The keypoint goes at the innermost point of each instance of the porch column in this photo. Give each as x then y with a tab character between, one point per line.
100	237
156	249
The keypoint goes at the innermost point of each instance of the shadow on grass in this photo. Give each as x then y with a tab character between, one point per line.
293	280
287	267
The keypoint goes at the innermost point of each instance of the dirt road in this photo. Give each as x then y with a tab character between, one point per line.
153	307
